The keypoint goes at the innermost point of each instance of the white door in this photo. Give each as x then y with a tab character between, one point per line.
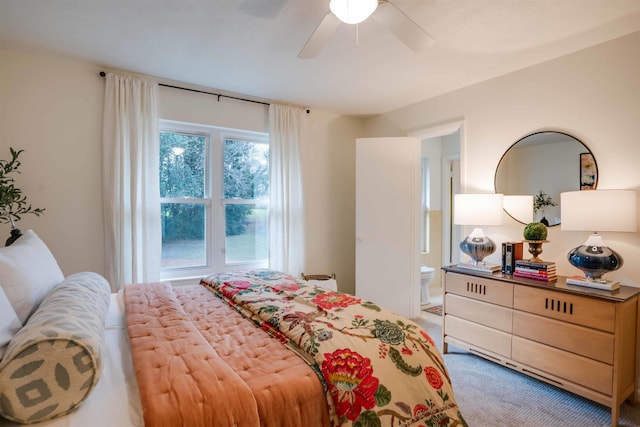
388	223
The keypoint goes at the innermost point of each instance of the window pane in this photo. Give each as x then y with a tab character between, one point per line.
247	235
182	165
246	169
183	235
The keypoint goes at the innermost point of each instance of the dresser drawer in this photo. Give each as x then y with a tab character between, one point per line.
576	339
487	338
493	316
590	312
572	367
479	288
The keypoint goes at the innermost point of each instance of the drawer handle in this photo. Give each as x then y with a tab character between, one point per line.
558	306
476	288
535	374
486	355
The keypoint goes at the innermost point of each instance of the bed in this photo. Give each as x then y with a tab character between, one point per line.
247	348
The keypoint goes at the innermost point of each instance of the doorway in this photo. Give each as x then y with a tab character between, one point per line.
440	152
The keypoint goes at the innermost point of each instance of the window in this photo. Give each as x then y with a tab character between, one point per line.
214	189
246	189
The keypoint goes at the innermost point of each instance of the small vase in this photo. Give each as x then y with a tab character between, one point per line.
15	234
535	249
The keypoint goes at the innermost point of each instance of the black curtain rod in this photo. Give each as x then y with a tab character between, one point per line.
219	95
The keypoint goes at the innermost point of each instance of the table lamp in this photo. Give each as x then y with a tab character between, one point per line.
597	210
478	210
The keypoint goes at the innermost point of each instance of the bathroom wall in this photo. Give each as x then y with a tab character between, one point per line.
432	254
439	150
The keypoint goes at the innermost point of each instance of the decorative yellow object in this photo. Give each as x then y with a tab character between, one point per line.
535	249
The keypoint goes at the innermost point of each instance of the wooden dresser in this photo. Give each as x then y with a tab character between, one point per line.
580	339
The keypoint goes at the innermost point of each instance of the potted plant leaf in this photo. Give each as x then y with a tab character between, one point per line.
540	201
13	204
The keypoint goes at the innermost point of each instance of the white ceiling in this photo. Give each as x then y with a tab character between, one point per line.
250	47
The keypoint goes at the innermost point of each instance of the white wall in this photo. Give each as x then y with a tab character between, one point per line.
192	107
329	173
51	107
592	94
432	150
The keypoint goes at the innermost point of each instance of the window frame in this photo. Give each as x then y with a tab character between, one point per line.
425	235
213	200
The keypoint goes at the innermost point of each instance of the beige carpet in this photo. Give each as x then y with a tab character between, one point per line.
490	395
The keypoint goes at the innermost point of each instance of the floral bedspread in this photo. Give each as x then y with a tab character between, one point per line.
378	369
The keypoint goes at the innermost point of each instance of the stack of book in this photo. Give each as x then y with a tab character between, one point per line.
594	283
482	267
536	270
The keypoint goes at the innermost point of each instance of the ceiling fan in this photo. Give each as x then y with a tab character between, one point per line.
356	11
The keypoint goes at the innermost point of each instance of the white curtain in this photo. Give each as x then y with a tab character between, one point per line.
287	127
131	192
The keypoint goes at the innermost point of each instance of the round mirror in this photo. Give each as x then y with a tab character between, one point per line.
543	165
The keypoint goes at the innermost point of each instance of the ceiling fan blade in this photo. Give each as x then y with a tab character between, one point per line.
403	27
320	36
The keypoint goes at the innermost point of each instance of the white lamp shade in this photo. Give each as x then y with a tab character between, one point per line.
598	210
477	209
353	11
519	207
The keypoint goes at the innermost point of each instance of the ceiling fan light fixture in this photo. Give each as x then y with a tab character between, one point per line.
353	11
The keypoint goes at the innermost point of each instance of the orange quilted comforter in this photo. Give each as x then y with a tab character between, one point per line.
200	363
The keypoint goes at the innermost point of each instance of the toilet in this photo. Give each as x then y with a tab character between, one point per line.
426	276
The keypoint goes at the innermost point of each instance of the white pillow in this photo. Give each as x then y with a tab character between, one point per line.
9	323
28	271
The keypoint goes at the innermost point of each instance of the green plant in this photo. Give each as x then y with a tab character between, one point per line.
13	204
542	200
535	231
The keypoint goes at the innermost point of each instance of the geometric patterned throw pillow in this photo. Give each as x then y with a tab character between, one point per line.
54	362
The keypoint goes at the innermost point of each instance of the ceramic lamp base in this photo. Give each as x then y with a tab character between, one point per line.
477	248
594	261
